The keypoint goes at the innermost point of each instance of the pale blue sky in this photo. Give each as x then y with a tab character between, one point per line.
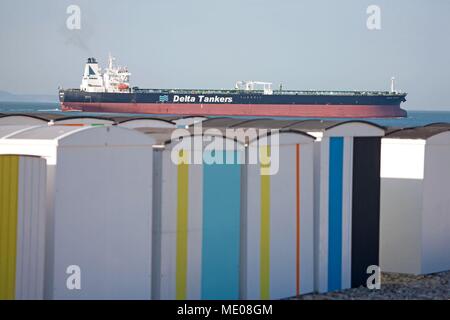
314	44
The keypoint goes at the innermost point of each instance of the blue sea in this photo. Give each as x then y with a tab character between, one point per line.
415	118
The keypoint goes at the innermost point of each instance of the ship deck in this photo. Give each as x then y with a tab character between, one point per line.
275	92
278	92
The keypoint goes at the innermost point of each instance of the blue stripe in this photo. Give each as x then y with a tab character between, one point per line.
335	213
221	233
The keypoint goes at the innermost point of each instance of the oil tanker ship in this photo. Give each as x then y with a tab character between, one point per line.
109	91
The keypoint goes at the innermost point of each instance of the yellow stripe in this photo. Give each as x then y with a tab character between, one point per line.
265	225
9	172
182	225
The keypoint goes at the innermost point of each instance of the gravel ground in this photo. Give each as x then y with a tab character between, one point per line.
395	287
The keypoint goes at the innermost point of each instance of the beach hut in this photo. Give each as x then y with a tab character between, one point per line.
278	220
197	219
20	119
347	180
265	123
147	123
221	122
159	128
415	202
184	122
99	209
122	118
8	130
438	125
22	227
83	121
314	127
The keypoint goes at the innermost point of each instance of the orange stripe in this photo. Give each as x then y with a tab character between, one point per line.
298	216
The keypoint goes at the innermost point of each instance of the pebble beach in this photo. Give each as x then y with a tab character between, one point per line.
395	286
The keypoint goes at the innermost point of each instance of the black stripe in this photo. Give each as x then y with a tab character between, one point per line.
365	207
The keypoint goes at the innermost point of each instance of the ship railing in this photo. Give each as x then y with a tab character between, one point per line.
261	92
73	90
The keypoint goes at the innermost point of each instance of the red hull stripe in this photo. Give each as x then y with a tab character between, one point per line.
279	110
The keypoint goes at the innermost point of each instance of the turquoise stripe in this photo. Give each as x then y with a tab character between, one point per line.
335	213
221	233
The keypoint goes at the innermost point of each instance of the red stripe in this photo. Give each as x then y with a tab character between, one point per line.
298	218
279	110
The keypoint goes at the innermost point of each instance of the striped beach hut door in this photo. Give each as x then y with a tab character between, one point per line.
200	227
22	227
278	229
349	206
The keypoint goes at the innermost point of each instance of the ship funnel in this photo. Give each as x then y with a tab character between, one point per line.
92	79
91	68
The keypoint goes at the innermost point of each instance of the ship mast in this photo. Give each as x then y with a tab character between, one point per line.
110	61
393	85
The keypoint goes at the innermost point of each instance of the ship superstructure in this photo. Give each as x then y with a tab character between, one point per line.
112	79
